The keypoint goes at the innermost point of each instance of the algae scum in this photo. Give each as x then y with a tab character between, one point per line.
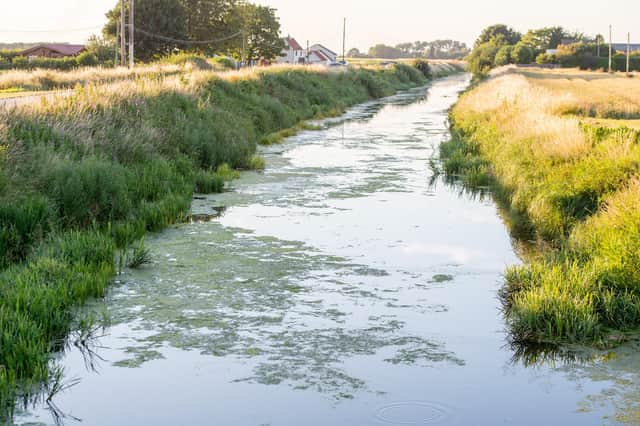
343	285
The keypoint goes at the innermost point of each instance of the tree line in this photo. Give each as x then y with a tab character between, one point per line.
500	45
437	49
208	27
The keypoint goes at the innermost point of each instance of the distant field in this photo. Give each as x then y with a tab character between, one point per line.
561	149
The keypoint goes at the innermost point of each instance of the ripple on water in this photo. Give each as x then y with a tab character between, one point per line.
413	413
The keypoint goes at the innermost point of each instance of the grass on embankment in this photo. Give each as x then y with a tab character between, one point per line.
46	79
88	175
571	185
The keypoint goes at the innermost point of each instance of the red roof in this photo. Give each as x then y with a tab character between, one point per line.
63	49
320	55
293	43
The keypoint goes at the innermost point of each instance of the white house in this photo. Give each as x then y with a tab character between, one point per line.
326	55
293	53
316	57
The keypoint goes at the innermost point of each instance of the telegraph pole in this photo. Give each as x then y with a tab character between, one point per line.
123	48
131	32
115	58
307	52
628	50
244	48
344	40
610	46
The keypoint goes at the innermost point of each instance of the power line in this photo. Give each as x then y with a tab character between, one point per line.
175	40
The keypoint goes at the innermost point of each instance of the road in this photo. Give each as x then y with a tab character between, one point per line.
16	101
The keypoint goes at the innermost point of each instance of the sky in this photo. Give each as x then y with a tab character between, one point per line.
368	21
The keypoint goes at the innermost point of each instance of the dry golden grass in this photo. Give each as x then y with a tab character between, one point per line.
47	79
532	112
550	105
559	146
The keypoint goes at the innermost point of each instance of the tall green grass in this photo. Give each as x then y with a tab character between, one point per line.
572	188
87	176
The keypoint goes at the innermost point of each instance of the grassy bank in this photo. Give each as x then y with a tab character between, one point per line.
562	154
84	177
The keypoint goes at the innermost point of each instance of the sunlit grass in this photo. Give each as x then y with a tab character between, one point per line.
573	177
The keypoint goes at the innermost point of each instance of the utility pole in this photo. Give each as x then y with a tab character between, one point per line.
244	48
628	50
598	46
115	58
131	32
344	40
307	52
610	47
123	48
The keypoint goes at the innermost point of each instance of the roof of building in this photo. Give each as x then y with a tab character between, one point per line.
623	46
319	46
320	55
292	43
62	48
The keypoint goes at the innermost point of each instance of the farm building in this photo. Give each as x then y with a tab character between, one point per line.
53	50
324	52
293	53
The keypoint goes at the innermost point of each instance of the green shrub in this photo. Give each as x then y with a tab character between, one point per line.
546	58
225	62
87	59
521	54
504	56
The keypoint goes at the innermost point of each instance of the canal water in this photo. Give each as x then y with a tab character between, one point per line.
345	285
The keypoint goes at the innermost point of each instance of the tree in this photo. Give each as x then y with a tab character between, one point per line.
482	58
503	56
261	29
386	52
522	54
355	53
102	48
153	18
543	39
212	20
490	33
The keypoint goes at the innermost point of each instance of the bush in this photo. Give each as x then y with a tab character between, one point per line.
482	58
423	66
87	59
195	61
521	54
545	58
225	62
503	57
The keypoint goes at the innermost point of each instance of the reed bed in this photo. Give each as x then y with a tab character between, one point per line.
573	184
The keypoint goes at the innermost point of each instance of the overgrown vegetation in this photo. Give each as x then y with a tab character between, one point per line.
499	45
87	176
573	185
